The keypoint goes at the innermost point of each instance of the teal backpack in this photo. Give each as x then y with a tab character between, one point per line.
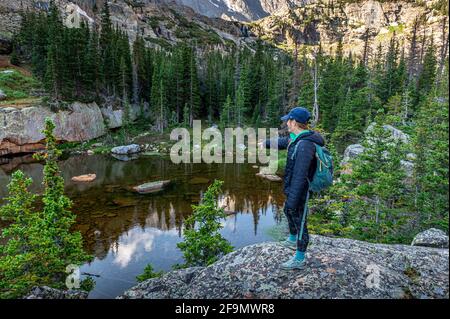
323	176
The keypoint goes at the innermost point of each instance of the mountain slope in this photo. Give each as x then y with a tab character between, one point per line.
241	10
160	22
326	22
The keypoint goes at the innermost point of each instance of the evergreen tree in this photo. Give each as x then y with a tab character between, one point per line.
226	113
432	160
39	245
159	98
377	184
54	74
427	76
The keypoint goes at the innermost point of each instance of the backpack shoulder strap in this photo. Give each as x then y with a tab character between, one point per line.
296	145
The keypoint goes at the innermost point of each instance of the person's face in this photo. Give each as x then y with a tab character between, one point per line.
291	124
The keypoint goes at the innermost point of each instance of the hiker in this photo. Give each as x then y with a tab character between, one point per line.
300	168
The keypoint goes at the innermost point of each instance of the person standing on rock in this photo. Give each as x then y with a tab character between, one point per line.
300	168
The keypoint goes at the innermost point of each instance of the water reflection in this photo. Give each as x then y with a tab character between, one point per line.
125	231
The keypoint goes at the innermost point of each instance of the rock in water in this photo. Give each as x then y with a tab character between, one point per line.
151	187
125	158
84	178
126	149
45	292
335	268
270	177
431	238
199	180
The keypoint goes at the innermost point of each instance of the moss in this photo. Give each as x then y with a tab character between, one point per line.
412	273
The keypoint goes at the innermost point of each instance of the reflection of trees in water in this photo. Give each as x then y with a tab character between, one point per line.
164	212
106	208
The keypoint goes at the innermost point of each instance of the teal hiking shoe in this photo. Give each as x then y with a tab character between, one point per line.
289	244
293	263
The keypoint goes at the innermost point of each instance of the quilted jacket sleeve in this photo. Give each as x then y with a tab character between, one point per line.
281	143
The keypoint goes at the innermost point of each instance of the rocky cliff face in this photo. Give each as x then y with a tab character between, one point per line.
325	22
161	23
21	129
336	268
240	10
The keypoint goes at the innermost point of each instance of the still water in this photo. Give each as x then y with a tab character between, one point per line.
125	231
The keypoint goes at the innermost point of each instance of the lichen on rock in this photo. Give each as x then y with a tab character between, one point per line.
335	268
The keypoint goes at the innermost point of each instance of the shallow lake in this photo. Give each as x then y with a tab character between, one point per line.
125	231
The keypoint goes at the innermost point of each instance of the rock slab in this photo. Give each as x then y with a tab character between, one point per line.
151	187
335	268
45	292
21	129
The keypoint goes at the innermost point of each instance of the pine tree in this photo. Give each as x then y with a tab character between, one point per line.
226	113
54	74
40	245
159	97
194	89
432	160
377	182
427	77
106	49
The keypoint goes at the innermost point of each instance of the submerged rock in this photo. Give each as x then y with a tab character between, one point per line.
126	149
270	177
335	268
431	238
151	187
199	180
84	178
45	292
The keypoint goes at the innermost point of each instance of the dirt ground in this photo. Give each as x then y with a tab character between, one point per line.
5	63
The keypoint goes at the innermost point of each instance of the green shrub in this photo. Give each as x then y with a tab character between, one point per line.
148	274
38	244
203	244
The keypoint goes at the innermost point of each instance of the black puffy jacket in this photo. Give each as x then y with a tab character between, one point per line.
299	169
